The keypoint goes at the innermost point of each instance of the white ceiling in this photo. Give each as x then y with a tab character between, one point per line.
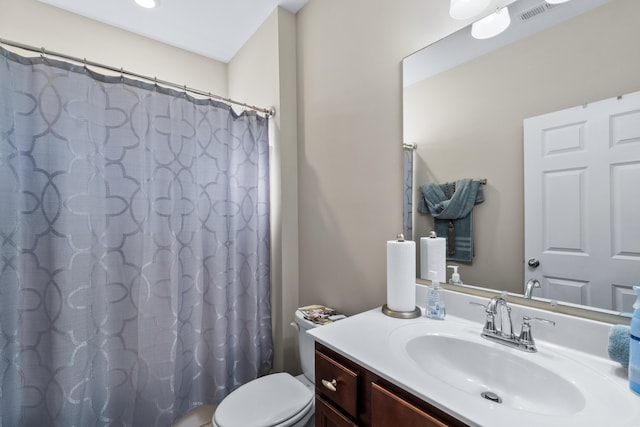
213	28
461	47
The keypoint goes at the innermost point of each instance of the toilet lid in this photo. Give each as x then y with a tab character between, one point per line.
266	401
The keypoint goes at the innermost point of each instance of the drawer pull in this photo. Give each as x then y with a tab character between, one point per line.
331	385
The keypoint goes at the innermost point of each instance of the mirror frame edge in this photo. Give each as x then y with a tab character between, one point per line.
586	313
591	313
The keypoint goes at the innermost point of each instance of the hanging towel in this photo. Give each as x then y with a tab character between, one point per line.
451	206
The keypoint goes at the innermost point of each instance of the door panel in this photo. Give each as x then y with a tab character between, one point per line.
563	200
582	202
625	179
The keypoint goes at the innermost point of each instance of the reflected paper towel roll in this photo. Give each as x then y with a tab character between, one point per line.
433	257
401	275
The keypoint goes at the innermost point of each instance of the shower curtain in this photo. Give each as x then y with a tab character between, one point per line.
134	248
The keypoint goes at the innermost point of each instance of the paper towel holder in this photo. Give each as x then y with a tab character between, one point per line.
401	314
411	314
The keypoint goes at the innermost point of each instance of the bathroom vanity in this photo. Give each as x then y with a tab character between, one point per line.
374	370
354	396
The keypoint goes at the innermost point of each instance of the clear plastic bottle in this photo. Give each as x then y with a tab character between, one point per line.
634	346
455	277
435	302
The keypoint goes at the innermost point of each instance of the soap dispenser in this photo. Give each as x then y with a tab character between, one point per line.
455	277
634	346
435	302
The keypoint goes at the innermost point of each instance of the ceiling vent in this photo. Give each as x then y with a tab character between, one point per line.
535	11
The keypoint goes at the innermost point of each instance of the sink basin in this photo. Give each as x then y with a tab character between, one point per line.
447	364
553	385
486	371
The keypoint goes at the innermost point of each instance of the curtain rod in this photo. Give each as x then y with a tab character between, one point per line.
271	111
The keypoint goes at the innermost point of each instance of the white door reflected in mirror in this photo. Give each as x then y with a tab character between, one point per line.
582	202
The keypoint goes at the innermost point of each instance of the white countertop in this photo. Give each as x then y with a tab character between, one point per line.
366	339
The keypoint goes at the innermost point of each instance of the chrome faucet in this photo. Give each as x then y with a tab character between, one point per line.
498	306
504	335
530	286
506	325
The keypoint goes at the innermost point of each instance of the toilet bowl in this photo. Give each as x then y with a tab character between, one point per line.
275	400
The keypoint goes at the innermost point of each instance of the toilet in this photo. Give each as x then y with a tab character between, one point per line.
275	400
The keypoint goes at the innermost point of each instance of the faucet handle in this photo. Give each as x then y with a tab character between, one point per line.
525	333
490	307
478	303
527	319
489	324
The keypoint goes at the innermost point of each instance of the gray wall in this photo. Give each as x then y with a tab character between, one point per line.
349	140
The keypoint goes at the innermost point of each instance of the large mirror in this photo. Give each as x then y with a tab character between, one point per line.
465	101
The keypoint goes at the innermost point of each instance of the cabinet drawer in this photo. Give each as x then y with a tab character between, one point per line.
341	383
389	409
327	416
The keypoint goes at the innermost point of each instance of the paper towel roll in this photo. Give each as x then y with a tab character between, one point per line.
401	275
433	257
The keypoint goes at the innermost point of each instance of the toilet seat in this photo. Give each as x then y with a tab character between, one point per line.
276	400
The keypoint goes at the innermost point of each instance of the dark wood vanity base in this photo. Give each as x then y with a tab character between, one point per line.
363	399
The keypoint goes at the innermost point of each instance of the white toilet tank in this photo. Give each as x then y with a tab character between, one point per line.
306	346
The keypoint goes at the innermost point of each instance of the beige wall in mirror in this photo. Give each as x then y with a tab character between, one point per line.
467	122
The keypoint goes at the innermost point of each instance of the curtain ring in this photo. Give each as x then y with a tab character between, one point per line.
121	74
43	53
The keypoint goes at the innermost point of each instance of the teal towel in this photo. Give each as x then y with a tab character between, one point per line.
451	206
618	347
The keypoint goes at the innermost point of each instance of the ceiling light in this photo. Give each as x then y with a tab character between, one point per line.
556	1
492	25
465	9
149	4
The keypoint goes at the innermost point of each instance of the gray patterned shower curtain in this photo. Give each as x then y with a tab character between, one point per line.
134	248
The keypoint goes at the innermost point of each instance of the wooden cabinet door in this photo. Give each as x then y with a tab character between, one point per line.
389	409
328	416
